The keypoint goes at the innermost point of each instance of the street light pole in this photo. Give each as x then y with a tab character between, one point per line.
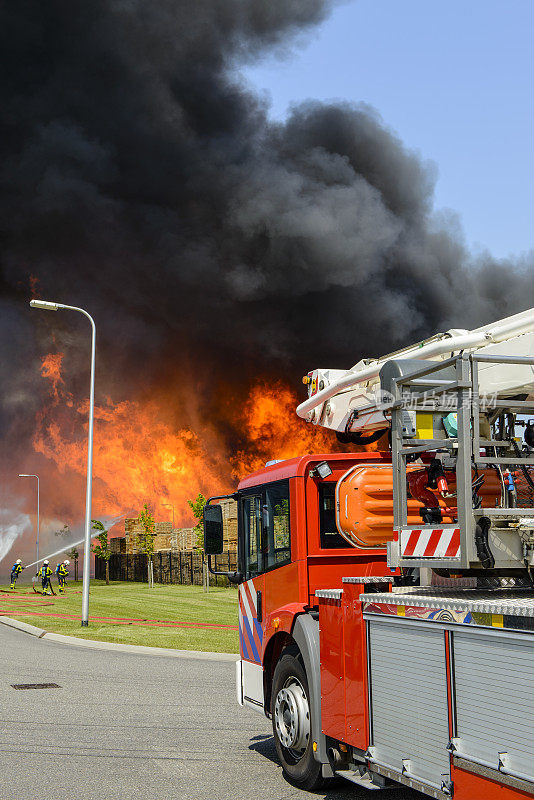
37	541
86	577
170	505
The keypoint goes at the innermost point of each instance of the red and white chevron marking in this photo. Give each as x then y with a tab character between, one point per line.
248	600
430	542
250	630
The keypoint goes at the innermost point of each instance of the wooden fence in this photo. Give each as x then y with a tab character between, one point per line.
184	567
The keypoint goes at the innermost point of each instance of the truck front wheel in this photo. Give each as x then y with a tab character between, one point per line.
290	711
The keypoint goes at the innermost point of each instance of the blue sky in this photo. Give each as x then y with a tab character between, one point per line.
454	79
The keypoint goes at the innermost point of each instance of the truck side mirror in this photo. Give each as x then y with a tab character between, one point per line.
213	530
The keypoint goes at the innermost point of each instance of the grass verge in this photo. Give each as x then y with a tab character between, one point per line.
131	613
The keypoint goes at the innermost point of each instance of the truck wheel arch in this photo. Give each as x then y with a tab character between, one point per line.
277	643
304	638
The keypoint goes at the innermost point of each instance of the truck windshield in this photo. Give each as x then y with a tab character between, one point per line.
330	537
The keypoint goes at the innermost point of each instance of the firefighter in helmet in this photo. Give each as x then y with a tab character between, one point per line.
62	575
16	569
44	573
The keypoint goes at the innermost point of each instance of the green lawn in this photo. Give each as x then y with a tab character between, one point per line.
134	601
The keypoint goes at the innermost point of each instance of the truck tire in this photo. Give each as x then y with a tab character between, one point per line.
290	712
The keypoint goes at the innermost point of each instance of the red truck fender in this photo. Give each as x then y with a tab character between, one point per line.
294	625
278	635
282	619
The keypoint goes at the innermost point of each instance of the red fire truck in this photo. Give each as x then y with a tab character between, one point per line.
386	601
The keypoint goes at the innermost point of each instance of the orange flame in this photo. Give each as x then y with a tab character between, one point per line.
51	369
273	430
35	291
141	455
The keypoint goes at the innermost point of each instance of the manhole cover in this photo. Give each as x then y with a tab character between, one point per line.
35	686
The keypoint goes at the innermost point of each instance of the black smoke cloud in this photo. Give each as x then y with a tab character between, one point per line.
141	178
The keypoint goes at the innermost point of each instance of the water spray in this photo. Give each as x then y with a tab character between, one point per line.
57	552
74	544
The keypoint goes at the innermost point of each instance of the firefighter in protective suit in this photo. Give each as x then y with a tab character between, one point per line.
16	569
62	574
44	573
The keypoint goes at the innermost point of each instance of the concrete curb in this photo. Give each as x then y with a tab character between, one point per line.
123	648
23	626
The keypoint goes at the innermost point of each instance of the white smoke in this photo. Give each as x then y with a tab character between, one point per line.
11	529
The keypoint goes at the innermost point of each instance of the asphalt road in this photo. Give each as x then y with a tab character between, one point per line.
133	726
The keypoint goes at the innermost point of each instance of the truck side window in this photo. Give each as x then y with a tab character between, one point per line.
330	537
276	539
252	531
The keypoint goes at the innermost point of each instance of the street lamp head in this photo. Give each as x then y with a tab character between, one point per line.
27	476
46	305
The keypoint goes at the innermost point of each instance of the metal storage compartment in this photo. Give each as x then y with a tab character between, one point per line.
494	687
409	710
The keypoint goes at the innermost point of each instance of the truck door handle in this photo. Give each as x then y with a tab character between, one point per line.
259	607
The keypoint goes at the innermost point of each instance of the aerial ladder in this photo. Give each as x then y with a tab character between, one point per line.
456	404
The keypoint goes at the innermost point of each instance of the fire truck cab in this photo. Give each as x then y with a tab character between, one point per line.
289	548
